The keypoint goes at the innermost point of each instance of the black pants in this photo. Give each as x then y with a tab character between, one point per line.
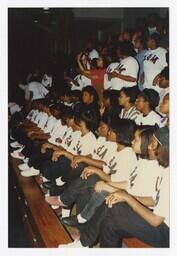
122	222
37	158
79	191
61	168
110	226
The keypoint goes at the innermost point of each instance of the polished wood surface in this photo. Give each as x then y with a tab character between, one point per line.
41	220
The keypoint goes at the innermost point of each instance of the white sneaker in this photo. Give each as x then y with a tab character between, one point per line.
19	149
23	167
75	244
59	182
30	172
17	155
15	144
11	137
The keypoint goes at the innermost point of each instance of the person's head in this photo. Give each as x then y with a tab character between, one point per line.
164	78
153	41
86	121
110	98
148	99
69	117
164	106
128	95
103	128
67	96
139	44
142	140
76	96
55	110
125	49
89	95
121	131
160	144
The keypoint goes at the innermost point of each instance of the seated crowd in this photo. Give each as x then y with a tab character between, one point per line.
102	144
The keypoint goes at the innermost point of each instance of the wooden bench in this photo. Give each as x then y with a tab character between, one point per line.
42	224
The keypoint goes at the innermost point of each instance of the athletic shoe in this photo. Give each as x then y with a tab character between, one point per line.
15	144
11	137
54	201
30	172
75	244
17	155
59	182
23	167
19	149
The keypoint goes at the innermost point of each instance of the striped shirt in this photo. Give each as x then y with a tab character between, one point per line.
131	114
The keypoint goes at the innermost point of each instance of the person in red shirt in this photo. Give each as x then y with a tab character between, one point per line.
96	73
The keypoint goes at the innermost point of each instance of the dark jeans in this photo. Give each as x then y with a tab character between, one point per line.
112	225
79	191
37	158
61	168
95	201
122	222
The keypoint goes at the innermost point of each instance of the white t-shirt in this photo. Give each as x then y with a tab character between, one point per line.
34	116
43	120
143	179
85	144
38	117
128	67
162	197
151	119
59	131
82	80
38	90
125	161
47	81
50	124
103	149
131	114
110	68
72	142
154	63
30	114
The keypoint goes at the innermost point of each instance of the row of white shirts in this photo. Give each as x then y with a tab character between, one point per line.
144	177
154	62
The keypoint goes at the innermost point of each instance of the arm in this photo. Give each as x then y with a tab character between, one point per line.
89	161
125	78
141	210
84	71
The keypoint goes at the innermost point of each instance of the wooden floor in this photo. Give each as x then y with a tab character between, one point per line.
41	222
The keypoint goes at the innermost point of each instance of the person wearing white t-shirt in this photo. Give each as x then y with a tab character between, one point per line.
154	62
126	72
150	227
60	166
47	81
37	90
146	102
115	169
107	80
126	213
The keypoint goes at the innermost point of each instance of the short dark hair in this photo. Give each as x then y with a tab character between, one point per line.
88	117
146	134
156	37
131	92
76	93
124	129
151	96
91	90
163	156
127	48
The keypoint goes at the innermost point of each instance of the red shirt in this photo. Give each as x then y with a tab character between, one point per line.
100	76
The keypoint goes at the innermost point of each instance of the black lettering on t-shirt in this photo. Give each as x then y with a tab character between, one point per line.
133	176
157	189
